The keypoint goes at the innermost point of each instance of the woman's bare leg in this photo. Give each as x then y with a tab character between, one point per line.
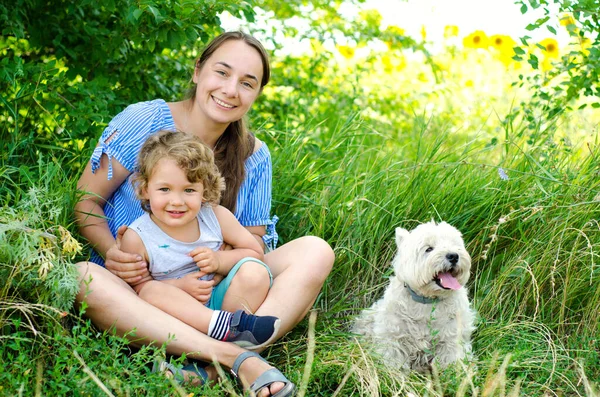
112	304
299	268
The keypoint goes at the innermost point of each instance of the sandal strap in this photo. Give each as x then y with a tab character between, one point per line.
240	359
199	371
176	371
267	378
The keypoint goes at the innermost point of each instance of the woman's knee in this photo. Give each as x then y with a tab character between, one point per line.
321	254
96	284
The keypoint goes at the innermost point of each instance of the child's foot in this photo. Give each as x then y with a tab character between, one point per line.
250	331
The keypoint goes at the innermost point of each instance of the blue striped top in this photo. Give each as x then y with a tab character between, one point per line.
122	140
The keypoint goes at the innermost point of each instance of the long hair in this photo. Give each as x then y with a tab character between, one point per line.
191	155
236	143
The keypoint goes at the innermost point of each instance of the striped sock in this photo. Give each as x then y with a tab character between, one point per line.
219	324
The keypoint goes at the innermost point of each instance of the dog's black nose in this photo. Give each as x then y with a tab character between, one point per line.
452	258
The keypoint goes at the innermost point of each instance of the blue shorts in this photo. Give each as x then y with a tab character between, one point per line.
218	294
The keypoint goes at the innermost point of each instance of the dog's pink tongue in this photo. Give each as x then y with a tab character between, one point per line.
448	281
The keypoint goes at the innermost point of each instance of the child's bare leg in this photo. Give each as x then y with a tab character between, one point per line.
177	303
248	289
244	329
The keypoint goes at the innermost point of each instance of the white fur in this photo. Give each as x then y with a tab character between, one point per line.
411	334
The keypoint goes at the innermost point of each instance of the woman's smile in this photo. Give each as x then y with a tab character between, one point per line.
222	103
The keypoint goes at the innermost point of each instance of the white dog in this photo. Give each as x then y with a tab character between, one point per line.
424	315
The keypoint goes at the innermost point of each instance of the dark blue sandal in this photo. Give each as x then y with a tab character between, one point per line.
267	378
178	373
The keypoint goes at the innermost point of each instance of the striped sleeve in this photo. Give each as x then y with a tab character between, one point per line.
125	134
254	199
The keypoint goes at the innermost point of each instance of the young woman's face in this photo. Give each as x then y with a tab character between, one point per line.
174	200
229	82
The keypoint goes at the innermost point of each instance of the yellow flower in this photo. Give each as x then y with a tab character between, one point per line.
566	20
501	42
70	245
371	17
388	66
393	29
391	33
477	39
391	64
546	64
346	51
423	77
550	47
450	31
504	46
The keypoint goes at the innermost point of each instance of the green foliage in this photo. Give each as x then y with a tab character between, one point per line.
66	68
577	73
36	251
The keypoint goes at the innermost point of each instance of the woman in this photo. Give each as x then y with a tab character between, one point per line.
228	77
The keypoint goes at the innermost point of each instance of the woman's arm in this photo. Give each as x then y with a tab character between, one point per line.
258	232
89	213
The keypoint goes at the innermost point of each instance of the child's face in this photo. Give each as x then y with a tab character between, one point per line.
174	200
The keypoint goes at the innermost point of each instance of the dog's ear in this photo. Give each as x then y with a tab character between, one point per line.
400	235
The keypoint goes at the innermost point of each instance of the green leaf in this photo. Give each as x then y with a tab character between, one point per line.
137	13
551	29
519	51
523	8
531	26
157	15
596	105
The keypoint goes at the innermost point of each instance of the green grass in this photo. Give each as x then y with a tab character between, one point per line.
534	239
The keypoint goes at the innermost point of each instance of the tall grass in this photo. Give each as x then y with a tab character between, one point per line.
534	237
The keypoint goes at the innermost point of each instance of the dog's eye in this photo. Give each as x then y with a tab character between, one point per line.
429	249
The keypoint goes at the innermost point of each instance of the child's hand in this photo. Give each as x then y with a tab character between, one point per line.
199	289
206	259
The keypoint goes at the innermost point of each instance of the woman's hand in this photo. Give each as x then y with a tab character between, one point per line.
206	259
199	289
131	268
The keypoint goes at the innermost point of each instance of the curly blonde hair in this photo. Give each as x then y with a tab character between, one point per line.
190	154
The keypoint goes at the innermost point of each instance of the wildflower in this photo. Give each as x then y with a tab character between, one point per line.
346	51
392	33
450	31
69	244
395	30
45	257
550	47
387	63
477	39
371	17
502	174
566	20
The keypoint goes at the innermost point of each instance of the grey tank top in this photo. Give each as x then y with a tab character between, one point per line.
169	257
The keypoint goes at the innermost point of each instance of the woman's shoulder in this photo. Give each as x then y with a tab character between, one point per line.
155	106
260	154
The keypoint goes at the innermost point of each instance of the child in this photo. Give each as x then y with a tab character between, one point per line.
180	236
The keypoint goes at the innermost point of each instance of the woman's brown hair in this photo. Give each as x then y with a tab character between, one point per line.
236	144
